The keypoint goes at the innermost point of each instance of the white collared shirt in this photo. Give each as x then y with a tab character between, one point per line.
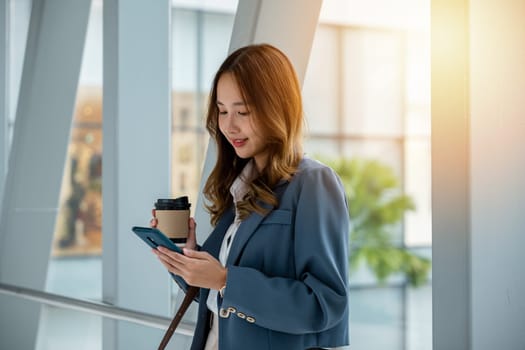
238	189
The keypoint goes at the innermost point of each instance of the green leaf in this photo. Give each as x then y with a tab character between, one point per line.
377	206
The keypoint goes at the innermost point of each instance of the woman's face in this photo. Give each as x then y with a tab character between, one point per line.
236	122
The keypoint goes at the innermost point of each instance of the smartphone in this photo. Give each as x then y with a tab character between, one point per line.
154	238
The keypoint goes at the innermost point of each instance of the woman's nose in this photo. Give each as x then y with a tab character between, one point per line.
231	123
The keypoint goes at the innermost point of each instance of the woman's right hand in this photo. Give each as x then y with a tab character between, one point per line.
191	242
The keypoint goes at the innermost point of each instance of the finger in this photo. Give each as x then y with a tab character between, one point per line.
166	255
172	268
190	253
153	222
195	254
191	242
167	252
165	259
192	225
173	255
171	264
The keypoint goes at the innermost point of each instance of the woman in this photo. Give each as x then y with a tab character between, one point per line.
273	272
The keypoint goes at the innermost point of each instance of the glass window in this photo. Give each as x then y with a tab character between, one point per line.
321	84
373	80
184	44
388	151
84	331
321	147
417	68
376	318
418	228
216	32
200	43
75	264
419	318
367	99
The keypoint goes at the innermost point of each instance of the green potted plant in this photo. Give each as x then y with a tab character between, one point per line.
376	208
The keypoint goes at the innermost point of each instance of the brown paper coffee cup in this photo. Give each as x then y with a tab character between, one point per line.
174	224
172	218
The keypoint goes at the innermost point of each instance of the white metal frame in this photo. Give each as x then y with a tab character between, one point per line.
98	309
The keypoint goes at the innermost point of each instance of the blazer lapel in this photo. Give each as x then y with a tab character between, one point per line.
244	232
249	226
213	244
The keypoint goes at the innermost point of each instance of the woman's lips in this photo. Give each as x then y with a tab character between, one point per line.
239	142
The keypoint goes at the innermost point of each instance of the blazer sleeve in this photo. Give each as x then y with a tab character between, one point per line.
317	298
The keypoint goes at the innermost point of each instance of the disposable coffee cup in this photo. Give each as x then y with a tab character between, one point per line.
172	218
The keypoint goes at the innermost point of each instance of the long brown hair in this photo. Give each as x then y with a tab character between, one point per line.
269	86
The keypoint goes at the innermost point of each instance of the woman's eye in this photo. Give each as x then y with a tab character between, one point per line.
243	113
223	112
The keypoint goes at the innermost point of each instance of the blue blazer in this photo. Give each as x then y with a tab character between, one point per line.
287	283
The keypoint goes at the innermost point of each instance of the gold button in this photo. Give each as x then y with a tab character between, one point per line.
241	315
250	319
232	310
224	313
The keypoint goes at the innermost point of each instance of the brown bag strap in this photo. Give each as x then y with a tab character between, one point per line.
190	295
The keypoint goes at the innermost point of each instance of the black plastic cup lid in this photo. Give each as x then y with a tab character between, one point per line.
180	203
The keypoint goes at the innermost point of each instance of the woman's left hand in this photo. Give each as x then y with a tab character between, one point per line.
198	269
